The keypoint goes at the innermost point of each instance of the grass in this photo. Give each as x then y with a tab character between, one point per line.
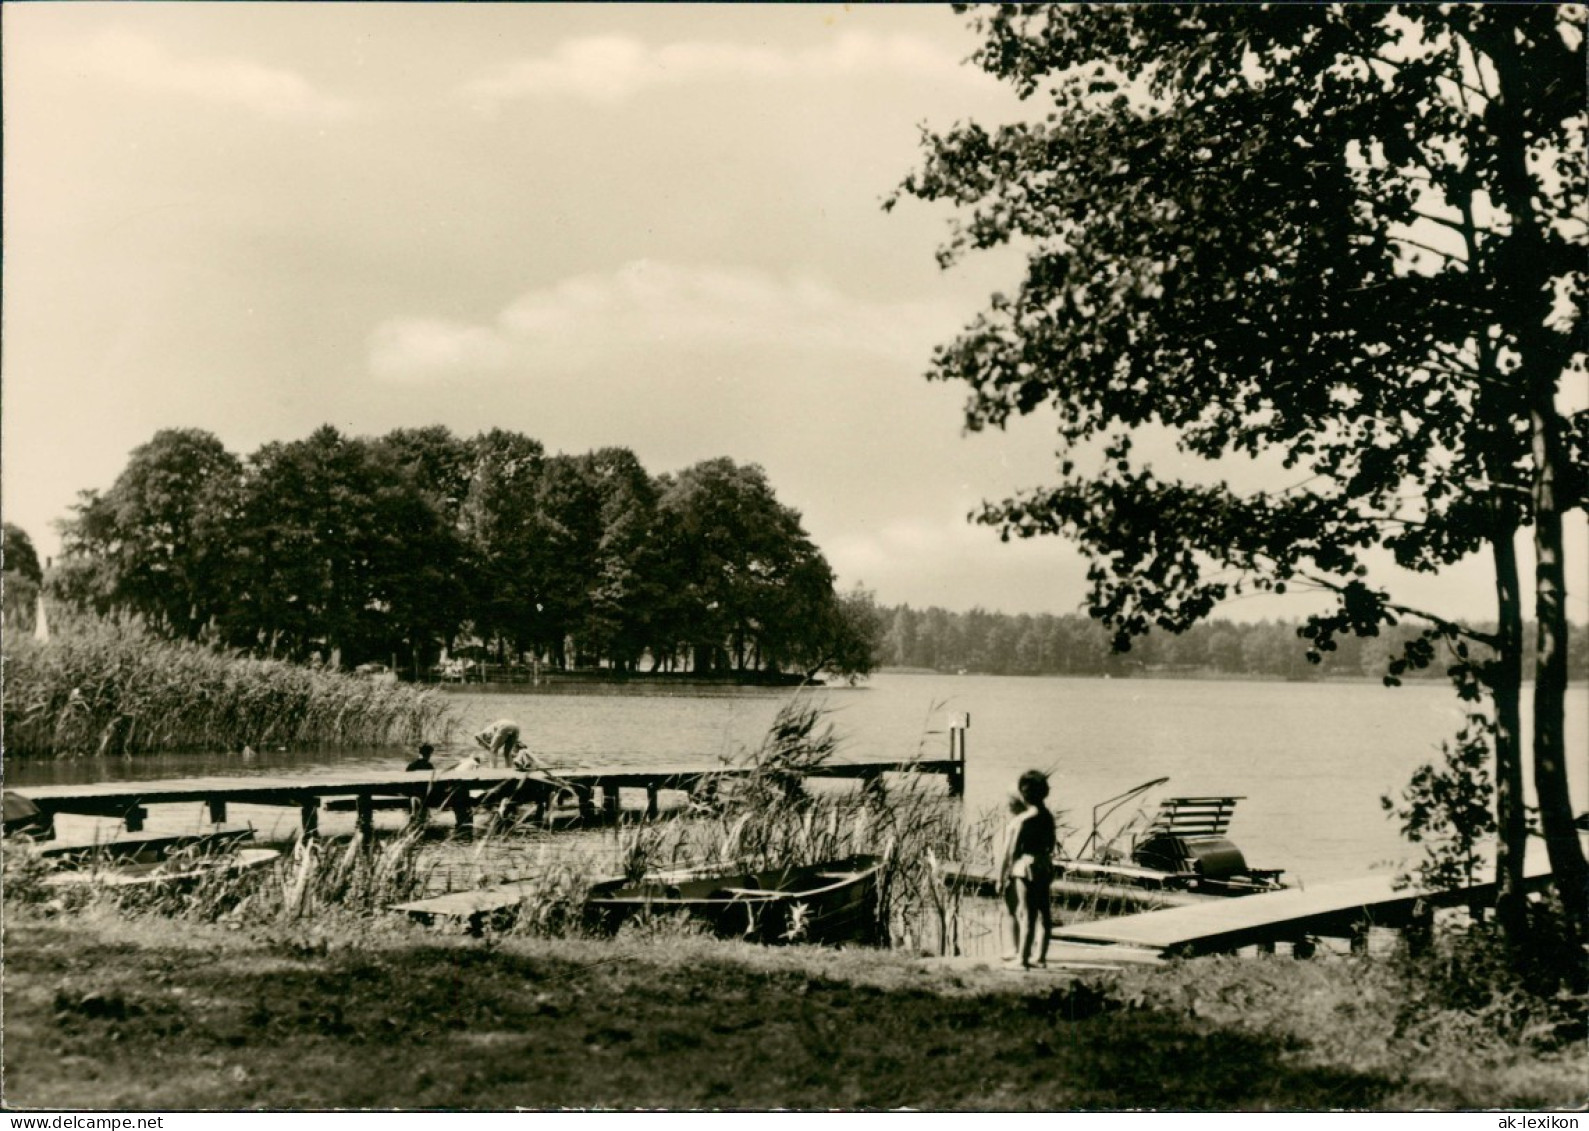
103	687
103	1011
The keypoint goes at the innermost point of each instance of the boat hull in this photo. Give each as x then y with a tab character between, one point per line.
167	873
832	902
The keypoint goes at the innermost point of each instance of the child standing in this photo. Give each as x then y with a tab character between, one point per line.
1026	870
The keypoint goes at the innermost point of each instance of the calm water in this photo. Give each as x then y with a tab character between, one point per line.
1311	760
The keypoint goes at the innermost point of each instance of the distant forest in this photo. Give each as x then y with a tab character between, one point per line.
1004	644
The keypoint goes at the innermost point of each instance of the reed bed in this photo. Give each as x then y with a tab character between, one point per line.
109	687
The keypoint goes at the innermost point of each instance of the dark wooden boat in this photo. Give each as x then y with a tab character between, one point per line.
831	902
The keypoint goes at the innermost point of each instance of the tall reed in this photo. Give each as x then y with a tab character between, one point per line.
103	687
773	818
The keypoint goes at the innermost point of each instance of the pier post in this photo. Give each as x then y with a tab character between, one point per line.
462	806
609	802
1418	934
958	725
365	807
309	816
134	818
217	810
1359	937
651	802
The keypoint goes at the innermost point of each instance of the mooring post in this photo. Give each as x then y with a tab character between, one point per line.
652	805
134	818
217	810
309	816
609	802
365	807
1418	934
958	725
462	806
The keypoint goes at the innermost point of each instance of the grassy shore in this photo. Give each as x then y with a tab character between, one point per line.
143	1013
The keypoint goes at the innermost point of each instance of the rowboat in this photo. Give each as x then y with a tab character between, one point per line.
157	862
831	902
144	848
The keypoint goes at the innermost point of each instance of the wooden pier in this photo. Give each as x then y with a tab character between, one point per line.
458	791
1344	910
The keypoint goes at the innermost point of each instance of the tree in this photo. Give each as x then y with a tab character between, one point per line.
156	536
438	462
562	543
338	550
1347	240
845	638
753	582
497	516
22	576
628	583
18	556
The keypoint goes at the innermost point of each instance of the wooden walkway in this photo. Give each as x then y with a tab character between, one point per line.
459	791
1340	910
470	907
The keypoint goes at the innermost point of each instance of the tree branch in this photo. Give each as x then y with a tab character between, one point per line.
1462	259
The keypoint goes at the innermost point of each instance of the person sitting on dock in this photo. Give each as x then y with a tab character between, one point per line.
422	764
1026	870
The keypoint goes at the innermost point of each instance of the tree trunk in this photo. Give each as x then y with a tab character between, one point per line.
1550	676
1506	685
1526	297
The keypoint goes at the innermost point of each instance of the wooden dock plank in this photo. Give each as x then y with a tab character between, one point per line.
453	789
468	904
386	781
1228	924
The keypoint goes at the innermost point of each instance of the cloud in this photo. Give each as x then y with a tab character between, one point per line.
939	559
269	92
587	321
612	69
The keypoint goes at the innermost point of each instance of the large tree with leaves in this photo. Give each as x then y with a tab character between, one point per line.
153	544
1347	240
338	548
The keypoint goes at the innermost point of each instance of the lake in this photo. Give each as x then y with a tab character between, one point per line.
1311	760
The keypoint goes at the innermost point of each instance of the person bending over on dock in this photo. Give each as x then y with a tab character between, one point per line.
502	738
422	764
1026	871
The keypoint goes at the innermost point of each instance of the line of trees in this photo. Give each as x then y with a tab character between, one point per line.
1005	644
365	549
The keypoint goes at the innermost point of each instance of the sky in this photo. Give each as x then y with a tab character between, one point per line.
656	227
